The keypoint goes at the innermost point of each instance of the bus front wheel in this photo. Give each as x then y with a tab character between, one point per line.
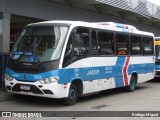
72	95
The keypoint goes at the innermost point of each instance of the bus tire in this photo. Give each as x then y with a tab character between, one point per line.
132	85
72	96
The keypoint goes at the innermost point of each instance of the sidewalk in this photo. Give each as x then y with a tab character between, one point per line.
5	96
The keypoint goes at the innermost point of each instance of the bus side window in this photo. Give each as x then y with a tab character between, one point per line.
148	44
122	42
77	46
106	43
81	45
135	45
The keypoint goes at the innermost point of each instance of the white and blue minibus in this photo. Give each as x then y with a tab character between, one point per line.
69	59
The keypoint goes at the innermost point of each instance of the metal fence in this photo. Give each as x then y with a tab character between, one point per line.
3	63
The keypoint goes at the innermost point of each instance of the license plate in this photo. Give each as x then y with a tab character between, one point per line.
24	87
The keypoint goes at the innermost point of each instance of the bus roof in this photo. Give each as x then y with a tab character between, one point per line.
113	26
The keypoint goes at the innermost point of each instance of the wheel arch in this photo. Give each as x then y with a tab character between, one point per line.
79	85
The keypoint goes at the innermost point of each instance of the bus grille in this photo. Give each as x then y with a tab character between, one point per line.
33	89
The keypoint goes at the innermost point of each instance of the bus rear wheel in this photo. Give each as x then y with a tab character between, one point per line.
72	96
132	85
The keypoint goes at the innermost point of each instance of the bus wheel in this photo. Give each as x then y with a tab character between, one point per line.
72	96
132	84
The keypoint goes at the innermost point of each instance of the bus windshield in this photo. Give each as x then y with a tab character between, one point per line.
39	44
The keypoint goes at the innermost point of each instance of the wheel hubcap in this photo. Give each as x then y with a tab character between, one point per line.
72	94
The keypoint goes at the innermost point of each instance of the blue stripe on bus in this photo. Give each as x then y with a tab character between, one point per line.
118	74
90	73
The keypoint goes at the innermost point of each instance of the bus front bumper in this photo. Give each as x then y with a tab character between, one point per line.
52	90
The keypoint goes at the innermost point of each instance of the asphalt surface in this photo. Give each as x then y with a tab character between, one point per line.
146	97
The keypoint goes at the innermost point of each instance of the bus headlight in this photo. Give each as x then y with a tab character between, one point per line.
8	77
49	80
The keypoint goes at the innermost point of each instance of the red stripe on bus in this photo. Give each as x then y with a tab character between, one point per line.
125	75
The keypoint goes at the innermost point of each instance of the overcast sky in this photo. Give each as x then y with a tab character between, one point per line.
155	1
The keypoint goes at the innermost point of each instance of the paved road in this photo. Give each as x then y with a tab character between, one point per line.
145	98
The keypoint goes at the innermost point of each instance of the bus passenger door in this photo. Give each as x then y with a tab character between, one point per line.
94	84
